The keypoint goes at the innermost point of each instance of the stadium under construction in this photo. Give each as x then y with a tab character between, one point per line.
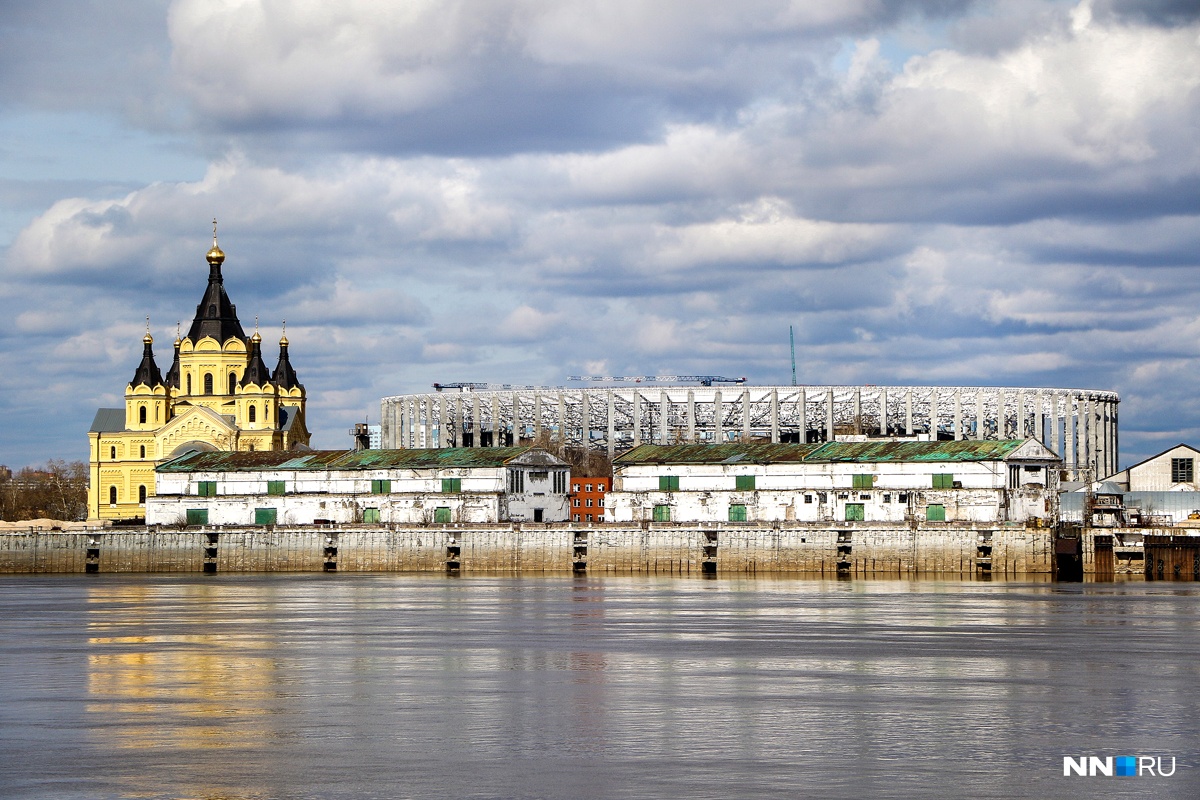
1078	424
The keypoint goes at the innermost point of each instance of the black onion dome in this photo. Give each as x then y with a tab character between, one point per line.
256	371
173	372
147	371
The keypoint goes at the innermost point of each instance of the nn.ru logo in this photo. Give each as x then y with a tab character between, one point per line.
1120	766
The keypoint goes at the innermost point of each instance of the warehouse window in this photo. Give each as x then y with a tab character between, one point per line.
662	513
943	480
381	486
206	488
864	482
737	513
450	485
276	487
516	481
371	515
441	514
744	483
935	513
265	516
808	498
197	516
1182	470
855	512
668	483
560	482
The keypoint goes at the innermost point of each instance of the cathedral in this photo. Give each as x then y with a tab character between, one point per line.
217	395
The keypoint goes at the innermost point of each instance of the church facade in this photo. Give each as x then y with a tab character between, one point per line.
217	395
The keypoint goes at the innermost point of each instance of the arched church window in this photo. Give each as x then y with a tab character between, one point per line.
112	495
112	453
232	383
189	384
142	415
141	494
266	413
143	449
252	413
208	383
156	413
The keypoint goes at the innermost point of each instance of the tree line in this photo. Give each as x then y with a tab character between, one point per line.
57	490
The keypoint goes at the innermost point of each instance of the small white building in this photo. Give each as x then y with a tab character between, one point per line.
871	481
484	484
1172	470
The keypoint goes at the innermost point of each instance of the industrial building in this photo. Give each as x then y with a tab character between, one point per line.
456	485
1013	481
1080	425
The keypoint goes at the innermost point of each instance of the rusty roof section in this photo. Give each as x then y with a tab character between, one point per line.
727	453
322	460
880	451
829	452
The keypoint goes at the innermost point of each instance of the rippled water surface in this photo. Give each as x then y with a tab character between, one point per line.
363	686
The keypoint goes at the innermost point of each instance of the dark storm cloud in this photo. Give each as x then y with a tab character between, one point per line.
1165	13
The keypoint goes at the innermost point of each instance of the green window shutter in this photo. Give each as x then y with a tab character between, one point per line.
744	483
737	513
277	488
197	516
383	486
935	513
662	513
668	483
943	480
441	514
855	512
450	485
864	482
265	516
206	488
370	515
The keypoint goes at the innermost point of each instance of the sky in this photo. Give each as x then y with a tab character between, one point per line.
930	192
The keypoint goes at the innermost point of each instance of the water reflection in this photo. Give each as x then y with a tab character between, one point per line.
401	685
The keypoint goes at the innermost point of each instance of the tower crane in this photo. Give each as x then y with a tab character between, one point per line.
704	380
470	387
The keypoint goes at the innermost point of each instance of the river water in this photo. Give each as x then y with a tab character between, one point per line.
393	686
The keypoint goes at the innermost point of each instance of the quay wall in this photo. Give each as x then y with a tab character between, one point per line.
664	548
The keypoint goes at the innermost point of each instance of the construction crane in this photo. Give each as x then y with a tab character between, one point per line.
704	380
470	387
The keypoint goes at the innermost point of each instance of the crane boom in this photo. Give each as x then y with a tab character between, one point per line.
704	380
467	386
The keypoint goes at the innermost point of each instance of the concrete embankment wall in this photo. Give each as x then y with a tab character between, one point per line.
850	548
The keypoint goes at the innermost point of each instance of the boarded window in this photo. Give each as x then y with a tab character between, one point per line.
943	480
744	483
662	513
855	512
197	516
935	513
265	516
1182	470
668	483
864	482
451	485
206	488
560	482
278	488
370	515
381	486
737	513
441	514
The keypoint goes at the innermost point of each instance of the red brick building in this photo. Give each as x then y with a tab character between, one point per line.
587	498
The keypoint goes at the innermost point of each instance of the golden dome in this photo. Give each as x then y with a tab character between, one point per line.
147	339
283	341
256	338
215	256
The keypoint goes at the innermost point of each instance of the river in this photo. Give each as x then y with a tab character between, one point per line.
271	686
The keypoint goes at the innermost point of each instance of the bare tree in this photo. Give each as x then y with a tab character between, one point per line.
56	491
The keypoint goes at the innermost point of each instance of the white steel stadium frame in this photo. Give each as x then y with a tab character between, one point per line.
1078	424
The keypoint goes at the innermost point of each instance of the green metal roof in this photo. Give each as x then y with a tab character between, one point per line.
321	460
829	452
728	453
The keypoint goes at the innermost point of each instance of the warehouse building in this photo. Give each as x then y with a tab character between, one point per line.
870	481
458	485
